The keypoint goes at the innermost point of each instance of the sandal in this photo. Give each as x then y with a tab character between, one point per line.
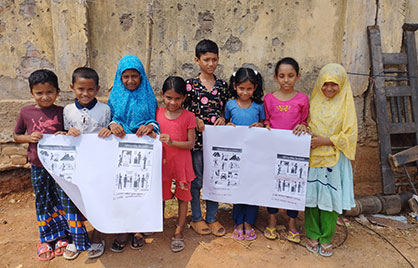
137	242
270	233
238	234
343	221
217	228
250	235
119	245
96	250
325	247
74	253
200	227
177	244
312	246
60	246
44	248
293	236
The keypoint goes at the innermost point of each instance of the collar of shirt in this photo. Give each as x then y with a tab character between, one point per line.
88	106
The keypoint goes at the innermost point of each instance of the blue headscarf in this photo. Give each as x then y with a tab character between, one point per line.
131	109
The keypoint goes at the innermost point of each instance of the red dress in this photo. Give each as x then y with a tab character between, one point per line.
177	163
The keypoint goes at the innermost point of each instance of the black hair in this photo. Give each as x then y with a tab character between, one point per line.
205	46
287	60
43	76
175	83
87	73
247	74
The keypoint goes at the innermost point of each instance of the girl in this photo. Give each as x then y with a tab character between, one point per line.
286	108
333	123
178	136
133	105
246	86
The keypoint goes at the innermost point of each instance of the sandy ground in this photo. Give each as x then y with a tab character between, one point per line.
19	236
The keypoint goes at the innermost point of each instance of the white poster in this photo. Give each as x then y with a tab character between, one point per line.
116	183
255	166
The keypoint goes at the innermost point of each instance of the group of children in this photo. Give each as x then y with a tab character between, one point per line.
188	106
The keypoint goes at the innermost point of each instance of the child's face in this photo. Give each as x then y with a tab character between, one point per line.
330	89
173	100
131	79
85	90
245	90
207	62
286	76
44	94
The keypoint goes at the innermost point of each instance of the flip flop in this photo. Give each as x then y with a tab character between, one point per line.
312	247
323	247
137	242
44	248
62	243
293	236
217	228
238	234
270	233
177	244
250	235
98	248
71	248
200	227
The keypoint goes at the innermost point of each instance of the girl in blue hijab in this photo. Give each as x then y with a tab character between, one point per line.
132	100
133	105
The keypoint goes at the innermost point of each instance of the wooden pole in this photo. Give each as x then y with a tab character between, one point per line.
149	37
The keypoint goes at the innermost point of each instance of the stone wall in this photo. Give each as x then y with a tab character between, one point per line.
64	34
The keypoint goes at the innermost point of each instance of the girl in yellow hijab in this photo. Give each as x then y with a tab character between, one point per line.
333	124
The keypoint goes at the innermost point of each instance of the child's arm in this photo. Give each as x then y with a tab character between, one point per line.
300	129
317	141
146	130
257	124
25	138
200	125
117	130
73	132
303	128
164	137
104	133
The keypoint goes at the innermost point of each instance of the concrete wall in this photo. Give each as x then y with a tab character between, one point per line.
65	34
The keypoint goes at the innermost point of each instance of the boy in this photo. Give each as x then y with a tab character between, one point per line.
206	97
86	115
33	121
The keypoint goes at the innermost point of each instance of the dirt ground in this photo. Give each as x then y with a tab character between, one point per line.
19	237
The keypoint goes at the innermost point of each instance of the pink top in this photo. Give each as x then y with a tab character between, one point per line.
177	163
286	114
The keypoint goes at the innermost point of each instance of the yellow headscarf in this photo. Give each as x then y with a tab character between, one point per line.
334	118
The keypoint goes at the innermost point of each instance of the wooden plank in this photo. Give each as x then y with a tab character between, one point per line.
404	157
376	59
402	128
394	91
405	108
393	110
410	27
399	109
394	58
411	51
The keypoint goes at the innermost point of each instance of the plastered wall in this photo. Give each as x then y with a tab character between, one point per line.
64	34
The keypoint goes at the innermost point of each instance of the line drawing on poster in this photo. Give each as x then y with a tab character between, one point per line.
226	166
60	160
290	174
133	176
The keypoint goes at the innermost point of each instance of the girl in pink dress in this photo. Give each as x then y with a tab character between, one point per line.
177	127
286	108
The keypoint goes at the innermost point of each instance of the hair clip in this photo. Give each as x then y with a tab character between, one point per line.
256	73
234	73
